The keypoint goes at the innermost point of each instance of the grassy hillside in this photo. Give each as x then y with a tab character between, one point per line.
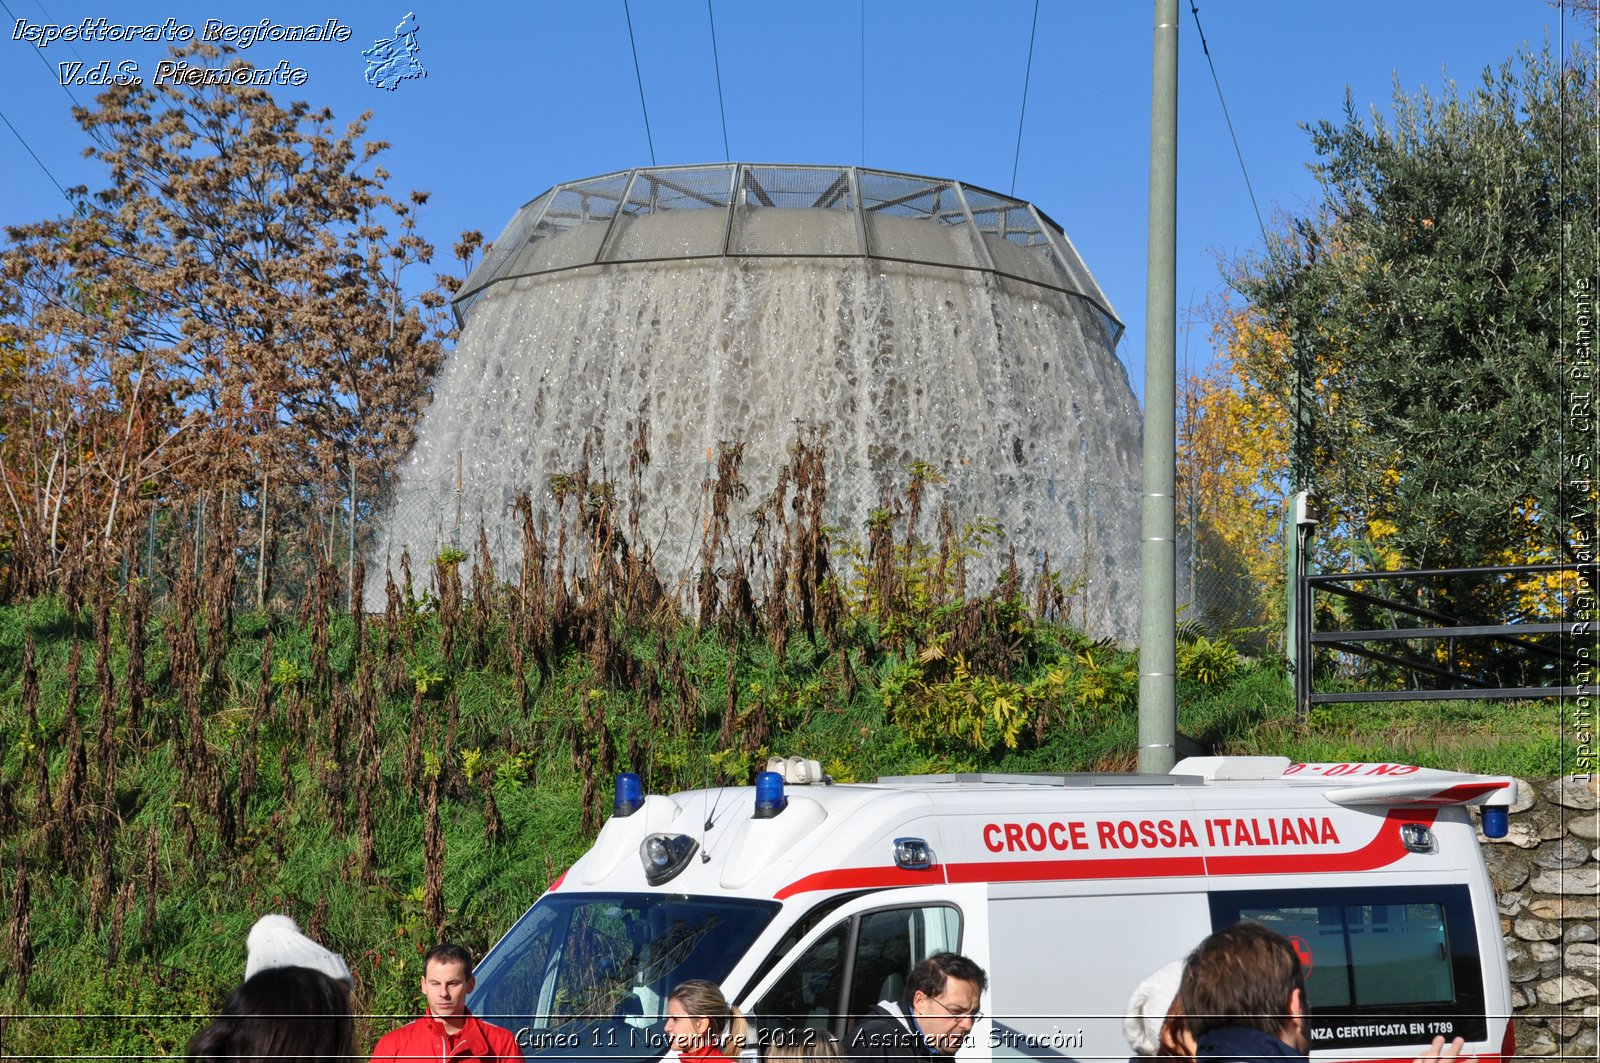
168	774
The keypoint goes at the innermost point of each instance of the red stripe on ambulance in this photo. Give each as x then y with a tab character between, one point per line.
1383	849
1116	867
858	878
1460	795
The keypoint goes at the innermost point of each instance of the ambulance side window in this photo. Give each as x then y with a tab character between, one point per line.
892	942
806	996
1401	953
867	956
1382	964
802	927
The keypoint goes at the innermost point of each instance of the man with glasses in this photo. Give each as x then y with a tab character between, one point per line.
932	1020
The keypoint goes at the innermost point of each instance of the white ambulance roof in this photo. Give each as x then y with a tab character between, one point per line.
1213	815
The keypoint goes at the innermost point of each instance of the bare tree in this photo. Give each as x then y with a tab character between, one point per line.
231	309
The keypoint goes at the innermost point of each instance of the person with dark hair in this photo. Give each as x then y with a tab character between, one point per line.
282	1013
1174	1040
1243	996
931	1021
447	1031
702	1026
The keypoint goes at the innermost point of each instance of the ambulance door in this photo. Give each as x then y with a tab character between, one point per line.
1068	962
860	954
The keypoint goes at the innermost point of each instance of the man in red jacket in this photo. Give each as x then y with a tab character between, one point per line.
448	1032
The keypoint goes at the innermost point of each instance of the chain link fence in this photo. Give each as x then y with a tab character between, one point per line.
1086	532
1218	596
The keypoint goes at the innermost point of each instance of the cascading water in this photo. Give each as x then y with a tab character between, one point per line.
583	323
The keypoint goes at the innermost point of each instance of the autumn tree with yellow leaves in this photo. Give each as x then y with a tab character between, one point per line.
1233	443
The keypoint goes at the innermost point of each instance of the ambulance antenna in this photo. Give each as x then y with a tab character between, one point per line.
711	821
711	817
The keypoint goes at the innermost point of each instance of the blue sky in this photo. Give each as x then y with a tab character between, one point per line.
520	96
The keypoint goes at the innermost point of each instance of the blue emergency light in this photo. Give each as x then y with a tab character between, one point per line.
1496	822
769	795
630	794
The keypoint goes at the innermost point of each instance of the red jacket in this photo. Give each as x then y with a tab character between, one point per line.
711	1053
425	1039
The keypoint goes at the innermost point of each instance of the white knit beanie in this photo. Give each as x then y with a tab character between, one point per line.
1148	1007
275	941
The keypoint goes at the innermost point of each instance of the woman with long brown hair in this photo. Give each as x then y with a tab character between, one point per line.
703	1026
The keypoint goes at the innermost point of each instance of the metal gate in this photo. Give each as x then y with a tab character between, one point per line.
1420	628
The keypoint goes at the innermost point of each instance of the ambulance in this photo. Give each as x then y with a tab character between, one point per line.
809	902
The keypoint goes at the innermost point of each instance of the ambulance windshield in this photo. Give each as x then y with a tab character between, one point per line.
589	974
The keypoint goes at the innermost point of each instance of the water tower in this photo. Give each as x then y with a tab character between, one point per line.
909	319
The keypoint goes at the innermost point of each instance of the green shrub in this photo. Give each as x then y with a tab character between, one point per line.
1206	661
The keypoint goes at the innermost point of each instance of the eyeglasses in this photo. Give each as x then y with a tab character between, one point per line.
960	1016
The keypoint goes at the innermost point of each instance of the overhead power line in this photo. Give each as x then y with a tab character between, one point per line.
28	148
716	62
1225	117
54	75
638	77
1026	77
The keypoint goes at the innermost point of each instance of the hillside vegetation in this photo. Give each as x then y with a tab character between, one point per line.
172	771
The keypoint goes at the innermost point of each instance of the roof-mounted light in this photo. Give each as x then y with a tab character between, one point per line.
665	855
770	799
1417	838
798	771
1496	821
630	794
913	854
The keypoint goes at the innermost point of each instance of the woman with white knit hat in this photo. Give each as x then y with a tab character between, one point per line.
275	941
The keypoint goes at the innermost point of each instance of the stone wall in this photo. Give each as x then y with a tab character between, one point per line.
1546	872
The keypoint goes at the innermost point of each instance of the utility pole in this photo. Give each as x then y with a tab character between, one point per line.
1158	604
